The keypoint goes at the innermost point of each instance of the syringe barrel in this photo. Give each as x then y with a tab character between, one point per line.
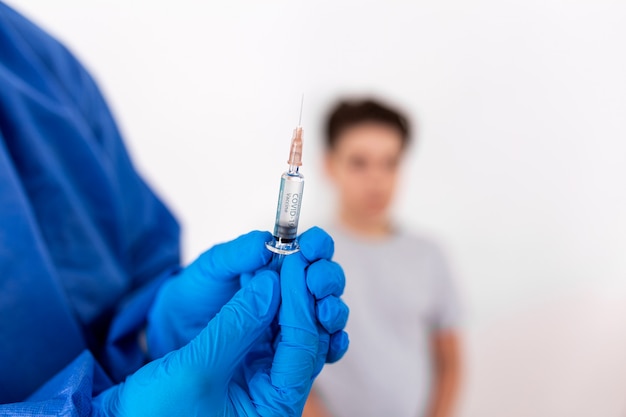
288	208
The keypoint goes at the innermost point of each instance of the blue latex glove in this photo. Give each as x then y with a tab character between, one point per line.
236	366
187	302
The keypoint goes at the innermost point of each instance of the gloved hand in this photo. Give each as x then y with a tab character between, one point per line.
309	290
187	302
236	366
324	280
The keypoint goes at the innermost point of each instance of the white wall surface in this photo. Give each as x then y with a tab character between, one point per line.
520	166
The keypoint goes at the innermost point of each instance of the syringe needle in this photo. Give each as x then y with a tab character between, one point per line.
301	105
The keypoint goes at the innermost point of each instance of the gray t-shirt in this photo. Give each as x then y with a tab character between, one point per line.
399	291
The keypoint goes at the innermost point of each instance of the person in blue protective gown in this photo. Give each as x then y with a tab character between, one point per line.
89	267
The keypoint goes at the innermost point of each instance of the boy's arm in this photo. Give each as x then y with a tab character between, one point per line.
314	406
447	366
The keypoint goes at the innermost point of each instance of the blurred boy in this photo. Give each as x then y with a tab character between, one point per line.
404	351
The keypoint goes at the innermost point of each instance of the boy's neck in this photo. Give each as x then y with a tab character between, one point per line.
367	227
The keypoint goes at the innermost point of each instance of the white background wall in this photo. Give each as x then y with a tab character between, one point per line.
520	166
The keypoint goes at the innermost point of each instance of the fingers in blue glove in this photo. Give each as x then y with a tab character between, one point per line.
326	281
332	313
284	387
228	260
339	343
280	377
298	342
316	244
230	335
325	278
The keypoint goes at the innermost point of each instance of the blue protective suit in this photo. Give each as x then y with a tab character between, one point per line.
84	243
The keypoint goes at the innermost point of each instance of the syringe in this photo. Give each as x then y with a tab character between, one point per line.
289	203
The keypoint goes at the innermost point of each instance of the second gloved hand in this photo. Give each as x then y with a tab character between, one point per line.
196	379
189	300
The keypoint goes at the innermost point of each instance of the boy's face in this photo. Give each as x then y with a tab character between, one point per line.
364	166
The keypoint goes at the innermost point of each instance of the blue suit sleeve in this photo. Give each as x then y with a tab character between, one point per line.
150	243
140	240
151	233
146	238
68	393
